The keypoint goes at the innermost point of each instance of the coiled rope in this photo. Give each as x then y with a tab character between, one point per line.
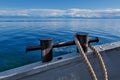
87	62
101	62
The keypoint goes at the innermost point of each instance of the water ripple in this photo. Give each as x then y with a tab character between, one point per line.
15	36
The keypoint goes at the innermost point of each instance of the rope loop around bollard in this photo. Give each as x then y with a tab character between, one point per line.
87	62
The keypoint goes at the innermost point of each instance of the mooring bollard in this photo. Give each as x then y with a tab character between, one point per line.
83	38
46	49
46	45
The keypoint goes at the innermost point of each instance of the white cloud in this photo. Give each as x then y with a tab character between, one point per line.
58	13
94	13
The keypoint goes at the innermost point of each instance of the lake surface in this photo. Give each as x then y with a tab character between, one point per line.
16	35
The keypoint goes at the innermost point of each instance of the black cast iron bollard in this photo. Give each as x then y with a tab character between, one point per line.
46	49
46	45
83	38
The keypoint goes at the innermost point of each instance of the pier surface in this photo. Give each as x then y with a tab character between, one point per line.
70	67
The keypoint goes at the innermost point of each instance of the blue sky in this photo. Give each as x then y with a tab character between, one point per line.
59	4
72	8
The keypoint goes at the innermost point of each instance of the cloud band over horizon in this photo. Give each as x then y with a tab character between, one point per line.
75	12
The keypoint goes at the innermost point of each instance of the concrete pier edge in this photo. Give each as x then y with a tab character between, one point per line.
40	67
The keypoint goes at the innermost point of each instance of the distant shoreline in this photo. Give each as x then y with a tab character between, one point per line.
49	19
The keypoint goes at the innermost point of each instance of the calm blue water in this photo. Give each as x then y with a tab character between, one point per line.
15	36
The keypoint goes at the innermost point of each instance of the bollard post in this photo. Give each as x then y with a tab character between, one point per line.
46	49
83	39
